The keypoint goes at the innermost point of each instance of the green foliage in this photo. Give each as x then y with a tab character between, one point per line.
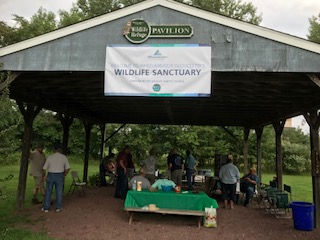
40	23
232	8
94	180
314	29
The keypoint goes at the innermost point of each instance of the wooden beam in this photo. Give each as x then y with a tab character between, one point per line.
246	132
88	126
29	113
313	119
259	132
278	127
66	122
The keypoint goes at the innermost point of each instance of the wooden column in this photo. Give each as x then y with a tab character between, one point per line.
313	120
88	127
66	122
259	131
246	132
278	127
29	112
103	137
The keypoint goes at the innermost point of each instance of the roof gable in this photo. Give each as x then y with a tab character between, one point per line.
176	6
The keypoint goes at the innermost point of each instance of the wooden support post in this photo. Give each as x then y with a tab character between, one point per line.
88	127
313	119
29	112
103	136
66	122
259	131
246	132
278	127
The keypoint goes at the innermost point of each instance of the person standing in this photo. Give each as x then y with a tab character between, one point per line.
121	169
176	165
37	159
57	167
149	164
190	168
130	166
229	175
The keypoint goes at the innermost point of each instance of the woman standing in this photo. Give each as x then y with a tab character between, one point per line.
229	175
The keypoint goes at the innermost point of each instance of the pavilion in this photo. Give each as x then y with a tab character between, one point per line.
258	77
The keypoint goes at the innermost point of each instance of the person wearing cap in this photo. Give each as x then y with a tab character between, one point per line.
57	167
248	184
37	159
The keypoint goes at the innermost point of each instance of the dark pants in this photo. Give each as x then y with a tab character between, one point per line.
248	190
102	175
190	180
122	184
228	191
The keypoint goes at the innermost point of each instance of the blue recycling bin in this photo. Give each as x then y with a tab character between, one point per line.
303	215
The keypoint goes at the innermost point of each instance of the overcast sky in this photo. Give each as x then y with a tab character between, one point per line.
288	16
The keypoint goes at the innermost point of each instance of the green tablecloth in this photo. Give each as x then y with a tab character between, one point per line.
170	200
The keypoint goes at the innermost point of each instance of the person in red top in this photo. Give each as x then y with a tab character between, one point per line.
121	168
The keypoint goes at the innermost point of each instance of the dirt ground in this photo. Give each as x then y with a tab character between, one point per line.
97	215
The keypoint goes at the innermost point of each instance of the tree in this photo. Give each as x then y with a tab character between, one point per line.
232	8
314	29
40	23
10	118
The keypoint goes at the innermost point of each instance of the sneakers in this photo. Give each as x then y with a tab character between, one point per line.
46	211
58	209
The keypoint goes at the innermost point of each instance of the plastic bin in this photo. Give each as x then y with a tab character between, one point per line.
303	215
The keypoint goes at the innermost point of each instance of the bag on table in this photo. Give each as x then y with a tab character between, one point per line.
210	220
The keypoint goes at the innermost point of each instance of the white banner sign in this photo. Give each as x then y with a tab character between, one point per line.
166	70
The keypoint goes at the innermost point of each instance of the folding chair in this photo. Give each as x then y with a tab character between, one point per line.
281	203
76	183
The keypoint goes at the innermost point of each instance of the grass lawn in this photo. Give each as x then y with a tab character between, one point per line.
301	185
8	216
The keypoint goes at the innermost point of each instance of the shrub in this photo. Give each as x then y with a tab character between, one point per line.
94	180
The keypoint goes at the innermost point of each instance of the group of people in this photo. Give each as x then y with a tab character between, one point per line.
147	185
176	164
51	170
229	176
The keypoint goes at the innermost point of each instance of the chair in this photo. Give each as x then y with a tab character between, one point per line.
76	184
281	205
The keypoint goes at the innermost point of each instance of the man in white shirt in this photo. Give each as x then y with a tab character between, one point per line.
57	166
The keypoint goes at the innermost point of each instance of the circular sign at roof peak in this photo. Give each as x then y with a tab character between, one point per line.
137	30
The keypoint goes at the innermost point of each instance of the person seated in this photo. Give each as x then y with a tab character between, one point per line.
107	168
274	183
140	178
163	181
248	184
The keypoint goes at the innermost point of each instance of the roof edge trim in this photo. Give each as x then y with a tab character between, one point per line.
176	6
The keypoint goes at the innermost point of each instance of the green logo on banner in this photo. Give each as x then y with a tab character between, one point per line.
138	31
